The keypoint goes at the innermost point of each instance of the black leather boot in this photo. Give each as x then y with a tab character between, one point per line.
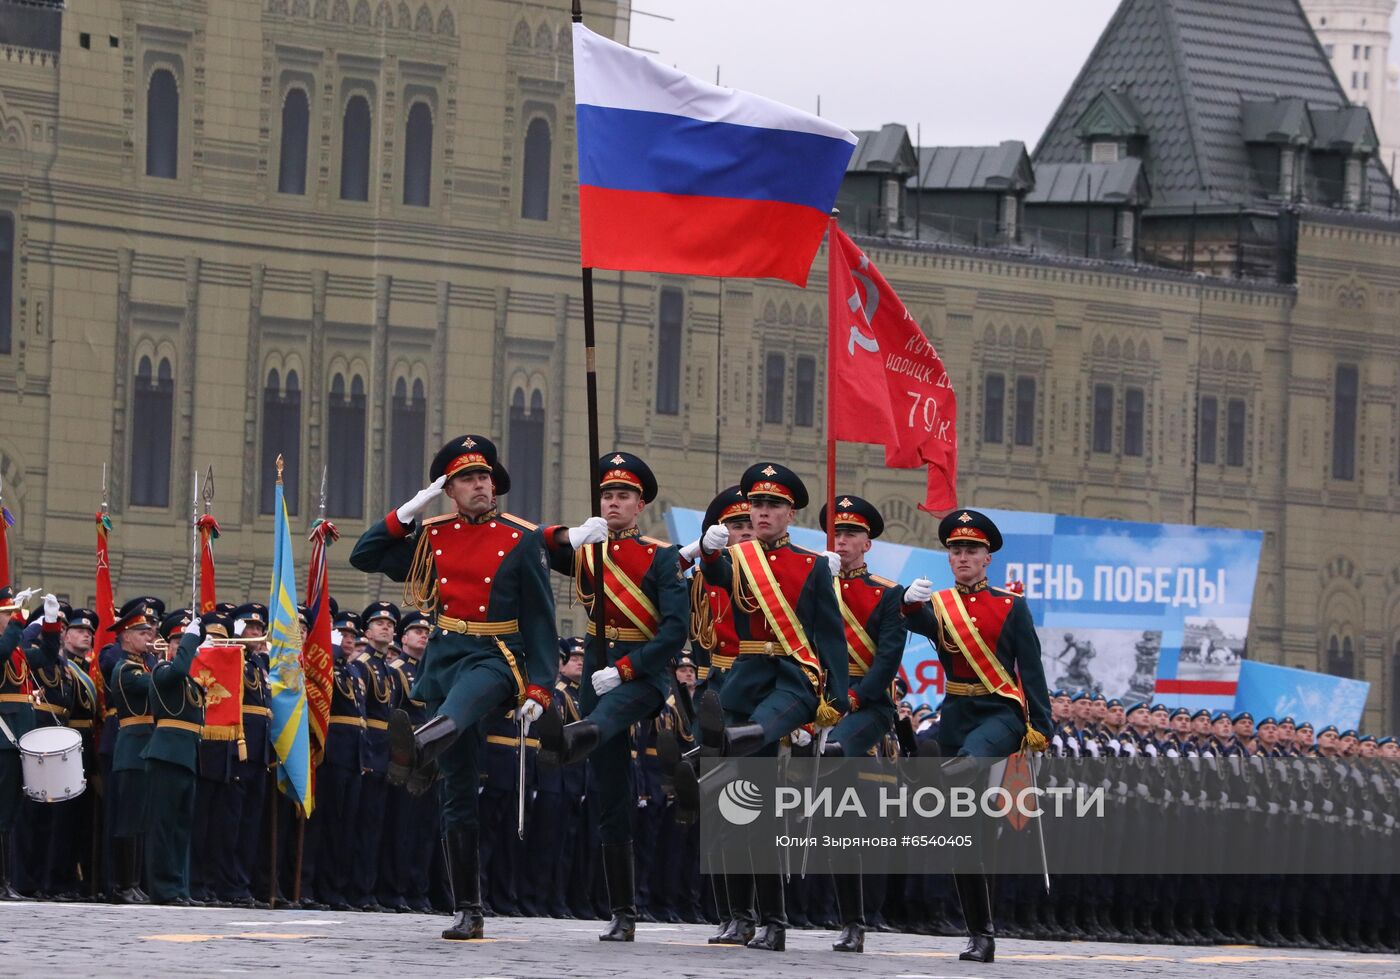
126	866
464	866
711	719
577	741
976	898
850	897
7	890
620	876
739	929
413	753
743	739
772	932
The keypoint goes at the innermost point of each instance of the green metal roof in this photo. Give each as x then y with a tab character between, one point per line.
1005	167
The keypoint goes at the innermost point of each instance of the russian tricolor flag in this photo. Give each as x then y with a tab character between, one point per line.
680	176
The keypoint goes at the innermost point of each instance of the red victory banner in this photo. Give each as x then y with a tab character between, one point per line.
106	613
218	669
887	384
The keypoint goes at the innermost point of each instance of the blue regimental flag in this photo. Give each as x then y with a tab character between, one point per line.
289	714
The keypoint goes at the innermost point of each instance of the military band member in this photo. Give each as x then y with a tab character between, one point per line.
792	655
486	577
414	823
171	757
17	707
128	692
646	615
986	641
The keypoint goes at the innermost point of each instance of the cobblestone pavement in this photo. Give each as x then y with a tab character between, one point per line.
56	940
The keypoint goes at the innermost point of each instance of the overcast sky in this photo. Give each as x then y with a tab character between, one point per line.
972	72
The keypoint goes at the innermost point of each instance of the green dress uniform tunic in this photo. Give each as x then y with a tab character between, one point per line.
494	644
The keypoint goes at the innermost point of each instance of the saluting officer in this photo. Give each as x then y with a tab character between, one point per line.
646	614
792	658
986	639
712	616
486	577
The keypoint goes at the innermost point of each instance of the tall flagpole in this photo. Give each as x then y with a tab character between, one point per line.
595	450
830	389
194	548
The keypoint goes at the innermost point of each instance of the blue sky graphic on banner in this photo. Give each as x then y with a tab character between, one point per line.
1134	610
1266	690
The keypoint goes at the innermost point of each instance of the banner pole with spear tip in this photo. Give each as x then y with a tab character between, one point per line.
301	810
194	548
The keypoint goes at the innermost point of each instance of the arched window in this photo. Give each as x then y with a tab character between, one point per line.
526	455
162	125
534	200
407	425
291	165
1206	425
281	435
418	156
152	411
1341	659
804	402
1133	414
345	449
354	150
1025	411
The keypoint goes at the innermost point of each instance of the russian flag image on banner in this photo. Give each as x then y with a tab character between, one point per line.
680	176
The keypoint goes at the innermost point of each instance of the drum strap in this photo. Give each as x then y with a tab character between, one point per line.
8	733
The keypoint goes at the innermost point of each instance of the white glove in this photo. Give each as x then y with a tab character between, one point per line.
800	738
530	712
22	598
193	626
591	531
238	627
691	551
606	679
50	608
337	638
919	592
715	539
410	510
833	561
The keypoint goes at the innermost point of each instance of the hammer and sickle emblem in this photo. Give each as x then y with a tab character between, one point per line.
872	303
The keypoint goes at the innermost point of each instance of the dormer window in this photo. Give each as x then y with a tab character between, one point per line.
1103	151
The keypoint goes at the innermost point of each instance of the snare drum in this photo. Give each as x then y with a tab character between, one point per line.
52	760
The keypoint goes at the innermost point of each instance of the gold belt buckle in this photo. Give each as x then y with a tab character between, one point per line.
768	648
610	631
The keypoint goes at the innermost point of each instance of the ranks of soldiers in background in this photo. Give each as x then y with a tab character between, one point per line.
645	616
383	695
244	822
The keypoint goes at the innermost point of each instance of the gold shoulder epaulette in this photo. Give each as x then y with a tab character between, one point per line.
362	657
519	521
652	540
1004	591
885	582
396	664
442	519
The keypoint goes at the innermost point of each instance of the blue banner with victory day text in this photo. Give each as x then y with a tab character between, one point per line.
1137	611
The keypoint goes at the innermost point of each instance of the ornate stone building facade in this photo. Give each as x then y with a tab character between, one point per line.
344	230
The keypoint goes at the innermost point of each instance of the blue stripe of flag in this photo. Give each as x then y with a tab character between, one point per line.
628	149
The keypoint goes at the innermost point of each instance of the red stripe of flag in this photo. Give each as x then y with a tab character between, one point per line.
1208	688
